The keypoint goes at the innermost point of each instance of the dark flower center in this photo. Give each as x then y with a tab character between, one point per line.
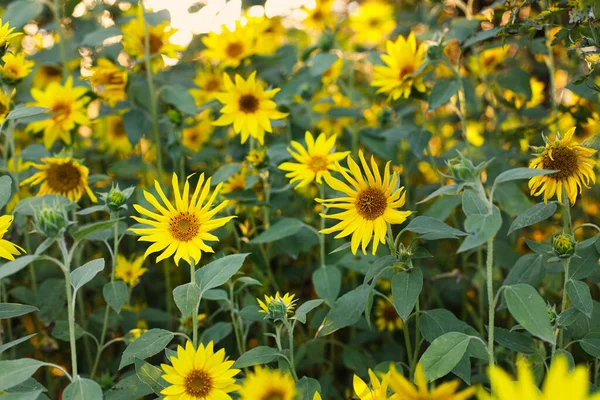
63	178
273	394
564	161
248	103
61	110
212	85
317	164
156	43
119	129
184	227
405	71
198	384
234	49
371	203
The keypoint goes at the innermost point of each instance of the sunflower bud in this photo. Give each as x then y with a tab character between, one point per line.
258	158
175	117
564	245
277	309
306	91
326	41
463	170
116	198
51	221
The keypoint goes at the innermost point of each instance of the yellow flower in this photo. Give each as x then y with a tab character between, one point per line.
198	134
130	271
373	21
159	36
573	163
323	103
269	34
267	384
287	301
4	105
445	391
314	161
537	95
181	230
256	157
560	383
386	316
378	389
8	250
230	48
474	133
209	82
249	107
63	176
317	396
15	67
45	75
369	205
403	60
320	17
201	374
333	73
488	60
111	132
6	34
235	182
109	81
68	109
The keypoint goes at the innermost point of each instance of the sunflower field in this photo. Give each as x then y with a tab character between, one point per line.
299	200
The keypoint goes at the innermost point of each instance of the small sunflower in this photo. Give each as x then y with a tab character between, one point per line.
200	131
313	162
130	271
320	17
400	74
15	66
489	60
386	316
67	105
209	82
405	390
6	35
369	204
287	301
268	384
373	21
46	74
8	250
236	181
199	374
181	230
249	107
325	100
63	176
572	161
4	105
112	135
108	81
270	34
229	48
378	389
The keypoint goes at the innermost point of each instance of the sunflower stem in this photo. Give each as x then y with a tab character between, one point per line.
551	73
290	330
234	320
61	40
70	309
322	236
408	346
195	313
490	295
564	304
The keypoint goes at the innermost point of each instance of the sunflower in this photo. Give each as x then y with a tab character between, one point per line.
15	67
373	21
325	100
198	134
537	95
199	374
209	82
488	60
236	181
68	107
108	81
269	34
320	17
181	230
268	384
4	105
112	135
130	271
248	106
229	48
400	74
46	74
287	301
573	163
405	390
8	250
314	161
386	316
63	176
378	389
368	206
561	382
6	35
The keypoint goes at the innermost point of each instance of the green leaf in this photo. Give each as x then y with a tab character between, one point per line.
283	228
180	98
481	36
26	112
97	37
327	282
130	387
533	215
13	372
473	204
35	394
448	189
306	388
528	269
252	313
444	354
321	62
442	92
590	343
61	330
215	295
219	271
529	309
150	375
579	293
406	288
89	229
515	341
115	295
257	356
19	13
481	228
8	345
216	333
147	345
5	189
30	205
517	81
187	298
585	263
136	124
305	308
432	229
11	310
521	173
14	266
86	273
83	389
224	172
345	311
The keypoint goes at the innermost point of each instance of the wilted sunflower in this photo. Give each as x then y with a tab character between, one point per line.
320	17
181	230
199	374
229	48
373	21
112	135
386	316
67	105
405	390
267	384
198	133
108	81
314	161
369	205
6	35
403	60
378	389
15	66
248	106
130	271
8	250
287	301
209	82
572	161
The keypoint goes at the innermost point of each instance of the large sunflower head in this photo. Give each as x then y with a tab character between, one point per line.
268	384
63	176
573	163
8	250
209	82
181	229
230	47
314	161
248	106
368	205
129	271
378	389
400	74
67	105
386	316
373	21
404	389
15	66
108	81
201	374
320	17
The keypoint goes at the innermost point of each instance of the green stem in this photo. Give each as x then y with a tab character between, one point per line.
417	337
290	329
490	295
408	345
70	307
195	313
551	78
321	235
234	320
61	40
564	304
482	283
